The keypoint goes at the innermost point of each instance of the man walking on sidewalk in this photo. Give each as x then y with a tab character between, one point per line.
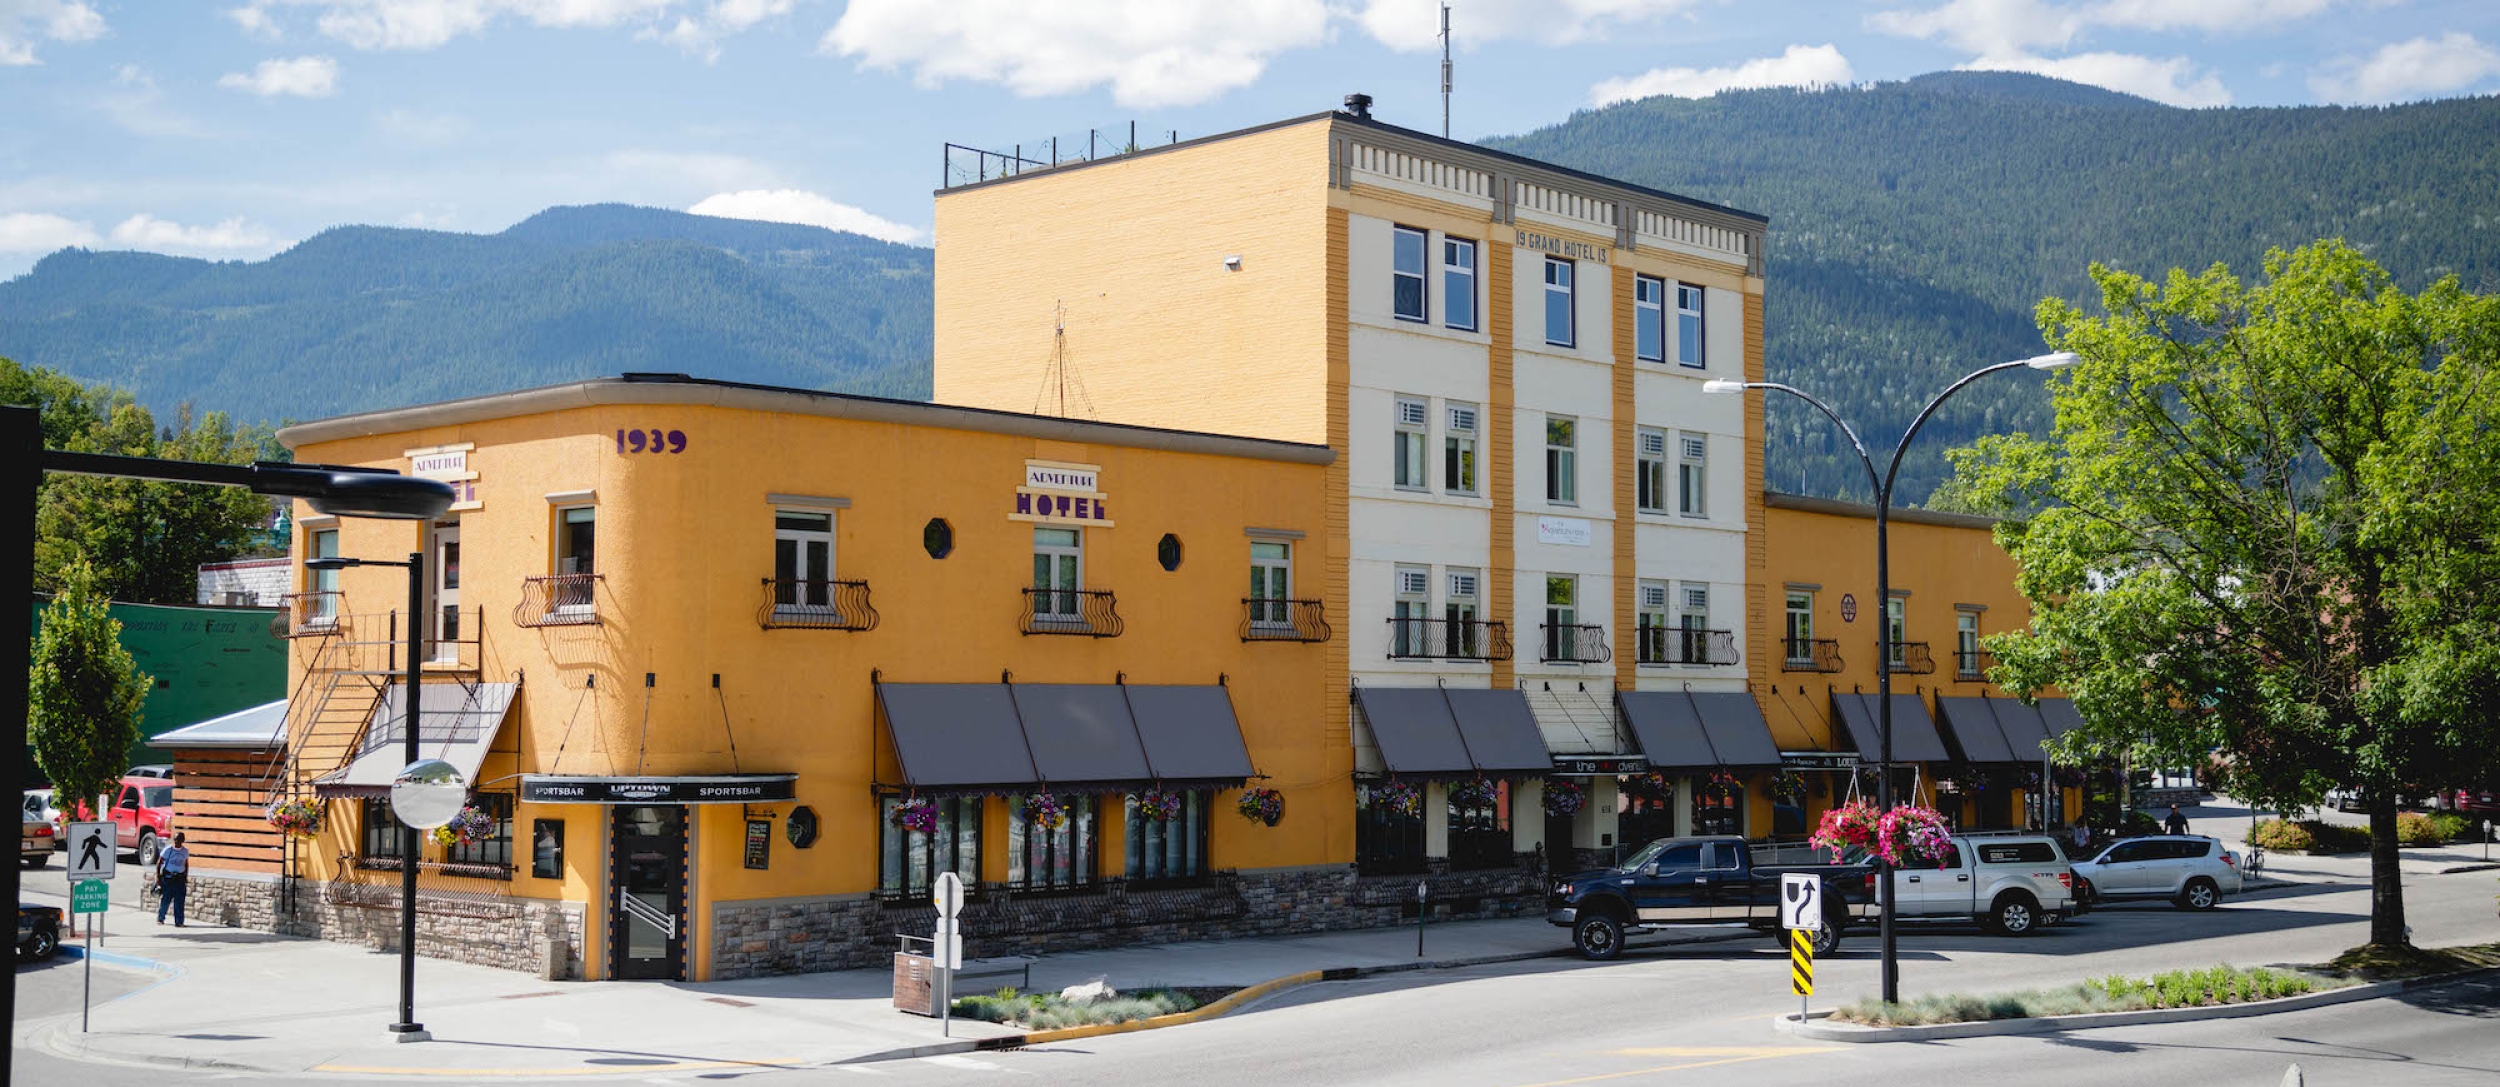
2177	823
173	880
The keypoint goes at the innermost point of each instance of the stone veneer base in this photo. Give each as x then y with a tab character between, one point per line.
530	935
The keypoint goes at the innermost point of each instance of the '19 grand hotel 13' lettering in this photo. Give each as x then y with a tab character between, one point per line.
1562	247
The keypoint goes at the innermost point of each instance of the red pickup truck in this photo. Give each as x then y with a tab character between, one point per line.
142	814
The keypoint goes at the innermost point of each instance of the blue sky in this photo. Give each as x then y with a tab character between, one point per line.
234	128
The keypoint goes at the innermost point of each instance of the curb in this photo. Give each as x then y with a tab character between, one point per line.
116	958
2468	868
1788	1024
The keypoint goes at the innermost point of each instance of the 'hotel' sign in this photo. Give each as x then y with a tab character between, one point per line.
1062	494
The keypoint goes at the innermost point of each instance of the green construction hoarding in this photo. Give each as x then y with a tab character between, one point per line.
206	662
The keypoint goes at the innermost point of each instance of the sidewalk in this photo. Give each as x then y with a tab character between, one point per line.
251	1002
2227	819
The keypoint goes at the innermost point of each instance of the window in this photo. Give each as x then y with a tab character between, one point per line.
495	850
1719	814
2019	853
1406	278
1966	643
577	529
1896	631
1461	611
1458	283
1411	611
1649	470
1649	318
1039	857
1562	617
1801	628
1688	350
1386	840
1171	848
1168	552
1458	451
1558	328
381	831
1695	619
1480	833
1058	572
937	538
1652	622
1409	455
1562	460
1271	582
325	545
802	561
1692	475
908	861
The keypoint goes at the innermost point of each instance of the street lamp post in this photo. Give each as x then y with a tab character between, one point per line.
1882	487
407	1028
346	492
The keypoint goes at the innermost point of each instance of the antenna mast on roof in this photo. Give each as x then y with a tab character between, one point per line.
1061	372
1445	71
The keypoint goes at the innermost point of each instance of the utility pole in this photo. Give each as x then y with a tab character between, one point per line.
1445	71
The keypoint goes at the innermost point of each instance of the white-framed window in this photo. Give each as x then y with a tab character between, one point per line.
1458	450
1558	304
1649	470
1688	341
1411	612
577	534
1692	475
1408	465
1966	643
1693	621
1458	284
1800	639
1562	460
1271	582
1058	574
323	609
1649	318
1897	631
802	561
1462	611
1651	618
1562	617
1406	273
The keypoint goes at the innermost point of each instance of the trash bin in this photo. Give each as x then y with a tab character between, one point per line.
915	984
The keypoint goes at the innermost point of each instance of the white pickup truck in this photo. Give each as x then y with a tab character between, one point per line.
2012	883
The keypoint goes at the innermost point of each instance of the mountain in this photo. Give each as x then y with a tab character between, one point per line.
1914	225
361	317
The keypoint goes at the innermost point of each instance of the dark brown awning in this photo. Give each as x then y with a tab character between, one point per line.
996	737
1668	728
1080	733
1914	736
956	735
1414	730
1500	731
1975	729
1737	731
1190	733
2025	732
2060	716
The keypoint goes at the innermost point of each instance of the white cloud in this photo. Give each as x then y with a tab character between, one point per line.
2410	69
255	22
429	24
695	170
136	107
701	34
800	206
1986	27
37	232
2171	80
2212	16
24	22
1163	53
1800	65
1416	24
149	232
416	129
302	77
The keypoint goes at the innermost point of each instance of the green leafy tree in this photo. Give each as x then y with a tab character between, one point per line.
2264	527
83	692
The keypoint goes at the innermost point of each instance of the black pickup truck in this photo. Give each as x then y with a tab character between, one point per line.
1697	881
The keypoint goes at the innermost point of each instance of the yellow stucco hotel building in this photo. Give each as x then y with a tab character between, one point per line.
1377	487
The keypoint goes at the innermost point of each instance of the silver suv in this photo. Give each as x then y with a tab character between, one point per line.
2192	871
2012	883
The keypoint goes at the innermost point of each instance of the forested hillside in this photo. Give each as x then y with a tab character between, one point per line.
362	317
1914	225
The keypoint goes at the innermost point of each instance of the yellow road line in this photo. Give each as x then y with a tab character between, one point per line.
1670	1068
612	1070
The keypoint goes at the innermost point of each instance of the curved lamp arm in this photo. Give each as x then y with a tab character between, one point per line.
2044	362
1846	430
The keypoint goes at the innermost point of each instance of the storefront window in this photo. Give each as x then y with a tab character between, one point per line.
1641	820
496	849
1480	826
1718	806
1057	857
1387	841
908	861
381	830
1170	848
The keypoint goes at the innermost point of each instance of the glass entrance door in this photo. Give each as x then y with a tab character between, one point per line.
647	877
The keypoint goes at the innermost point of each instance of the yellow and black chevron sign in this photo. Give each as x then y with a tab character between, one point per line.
1801	961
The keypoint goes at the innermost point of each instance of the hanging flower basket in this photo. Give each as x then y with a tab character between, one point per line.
469	827
1720	785
300	817
916	816
1396	796
2070	776
1911	836
1043	811
1474	794
1263	806
1158	805
1846	827
1650	788
1563	797
1788	787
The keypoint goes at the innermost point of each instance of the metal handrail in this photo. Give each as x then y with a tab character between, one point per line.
643	911
1914	659
1093	613
1810	655
308	614
1449	639
1574	643
1269	619
815	604
1972	664
558	600
1686	645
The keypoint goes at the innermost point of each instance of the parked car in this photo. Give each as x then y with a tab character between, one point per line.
151	770
38	932
142	816
2479	803
2193	872
40	835
1696	881
2011	883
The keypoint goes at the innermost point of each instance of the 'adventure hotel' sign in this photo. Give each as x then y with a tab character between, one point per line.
1062	494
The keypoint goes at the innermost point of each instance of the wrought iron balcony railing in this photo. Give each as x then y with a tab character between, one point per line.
1810	655
1574	643
815	604
1275	620
307	615
1912	658
1089	612
1973	664
558	600
1682	645
1448	639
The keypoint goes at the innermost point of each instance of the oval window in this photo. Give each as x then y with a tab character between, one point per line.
1168	552
938	538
